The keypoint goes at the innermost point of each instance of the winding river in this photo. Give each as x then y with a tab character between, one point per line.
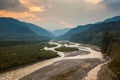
21	72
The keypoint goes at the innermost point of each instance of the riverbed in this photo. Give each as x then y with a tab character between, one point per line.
88	62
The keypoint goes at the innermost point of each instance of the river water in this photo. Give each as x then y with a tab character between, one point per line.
23	71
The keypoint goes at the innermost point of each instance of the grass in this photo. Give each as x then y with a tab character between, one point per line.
51	45
66	49
12	56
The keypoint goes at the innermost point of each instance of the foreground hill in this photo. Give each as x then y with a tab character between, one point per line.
12	29
111	47
92	33
114	53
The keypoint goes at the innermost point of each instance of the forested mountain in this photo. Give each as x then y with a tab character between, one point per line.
16	30
92	33
39	30
116	18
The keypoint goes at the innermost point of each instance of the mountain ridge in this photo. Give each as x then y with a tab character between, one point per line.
92	33
14	29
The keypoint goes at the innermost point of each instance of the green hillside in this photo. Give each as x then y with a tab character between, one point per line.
111	47
13	29
92	33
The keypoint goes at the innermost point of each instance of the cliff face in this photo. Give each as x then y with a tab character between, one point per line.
111	71
114	53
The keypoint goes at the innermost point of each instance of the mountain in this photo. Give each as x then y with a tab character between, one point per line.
92	33
60	32
14	29
73	31
39	30
116	18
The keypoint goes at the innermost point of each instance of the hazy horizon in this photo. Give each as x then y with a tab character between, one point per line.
57	14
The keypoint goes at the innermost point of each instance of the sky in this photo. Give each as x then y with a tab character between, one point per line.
58	14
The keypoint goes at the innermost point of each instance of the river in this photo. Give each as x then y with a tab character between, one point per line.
23	71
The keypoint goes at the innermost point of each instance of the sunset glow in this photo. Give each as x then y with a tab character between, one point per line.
63	14
93	1
37	9
66	24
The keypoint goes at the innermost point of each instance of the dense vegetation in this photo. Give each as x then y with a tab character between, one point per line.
111	47
115	55
6	43
22	43
20	54
66	49
50	45
107	40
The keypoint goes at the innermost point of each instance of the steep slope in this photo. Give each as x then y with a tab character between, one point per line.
111	47
15	30
60	32
39	30
92	34
73	31
114	52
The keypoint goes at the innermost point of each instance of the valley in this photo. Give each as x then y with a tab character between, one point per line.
86	52
64	67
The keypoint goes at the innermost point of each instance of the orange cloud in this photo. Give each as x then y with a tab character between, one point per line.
65	24
36	9
32	7
23	16
23	1
28	16
93	1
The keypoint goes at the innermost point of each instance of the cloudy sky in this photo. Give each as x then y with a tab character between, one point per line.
57	14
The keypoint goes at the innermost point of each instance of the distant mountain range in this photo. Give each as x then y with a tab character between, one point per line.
60	32
92	33
13	29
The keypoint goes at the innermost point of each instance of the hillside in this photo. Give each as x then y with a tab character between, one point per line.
114	52
73	31
39	30
111	47
92	33
12	29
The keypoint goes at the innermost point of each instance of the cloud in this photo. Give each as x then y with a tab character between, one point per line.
93	1
12	5
23	16
34	5
36	9
65	24
112	4
54	14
